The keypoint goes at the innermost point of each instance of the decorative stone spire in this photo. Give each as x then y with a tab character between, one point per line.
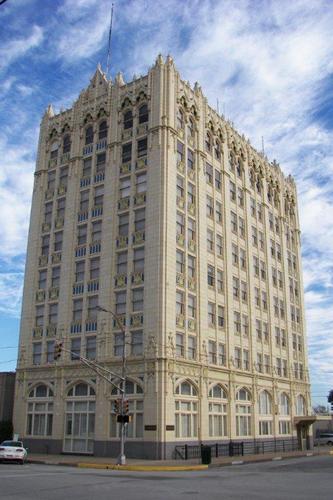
159	60
119	80
49	112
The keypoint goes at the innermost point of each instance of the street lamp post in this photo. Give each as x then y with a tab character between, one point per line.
121	458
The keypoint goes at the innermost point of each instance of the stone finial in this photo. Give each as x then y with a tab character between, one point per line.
119	80
159	60
169	60
49	112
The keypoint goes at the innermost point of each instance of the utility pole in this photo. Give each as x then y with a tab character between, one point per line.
122	404
123	419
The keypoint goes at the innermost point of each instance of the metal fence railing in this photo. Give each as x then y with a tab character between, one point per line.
238	448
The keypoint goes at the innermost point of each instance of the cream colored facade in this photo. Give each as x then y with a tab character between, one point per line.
150	204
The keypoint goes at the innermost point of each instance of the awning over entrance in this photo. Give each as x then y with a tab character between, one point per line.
305	420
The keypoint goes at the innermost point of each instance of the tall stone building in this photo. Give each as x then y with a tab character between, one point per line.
150	204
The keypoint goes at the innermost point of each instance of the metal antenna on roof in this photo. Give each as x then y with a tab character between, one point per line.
262	145
108	59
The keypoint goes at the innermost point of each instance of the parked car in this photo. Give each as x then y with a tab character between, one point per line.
13	451
324	438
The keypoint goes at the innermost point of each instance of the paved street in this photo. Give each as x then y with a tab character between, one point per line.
299	478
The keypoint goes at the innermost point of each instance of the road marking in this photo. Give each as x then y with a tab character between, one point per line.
276	458
30	475
237	462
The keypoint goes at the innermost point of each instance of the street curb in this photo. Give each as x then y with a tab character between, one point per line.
141	468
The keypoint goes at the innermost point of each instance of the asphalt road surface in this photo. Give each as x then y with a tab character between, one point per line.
298	478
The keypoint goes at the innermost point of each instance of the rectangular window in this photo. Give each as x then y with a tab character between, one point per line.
96	231
246	360
218	179
42	279
84	201
220	316
142	147
210	240
254	236
211	276
75	349
212	352
139	259
39	315
82	234
256	266
180	223
241	225
139	219
191	306
122	263
258	330
190	266
267	363
244	291
180	259
190	229
123	224
98	196
180	345
77	309
50	351
180	152
219	245
237	323
233	221
179	303
234	254
61	205
190	194
232	188
51	178
235	287
48	212
209	174
190	160
141	183
94	268
191	347
219	280
118	347
240	197
211	314
79	271
259	362
124	187
92	307
126	153
58	241
121	302
209	206
91	347
218	211
100	162
137	299
242	258
86	167
63	177
221	354
53	314
55	278
37	353
245	325
237	358
45	244
137	343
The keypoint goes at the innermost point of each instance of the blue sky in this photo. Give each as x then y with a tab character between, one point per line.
270	65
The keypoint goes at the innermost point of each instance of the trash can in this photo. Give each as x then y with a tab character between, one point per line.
206	455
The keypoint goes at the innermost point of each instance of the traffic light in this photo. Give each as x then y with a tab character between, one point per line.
126	407
117	406
57	350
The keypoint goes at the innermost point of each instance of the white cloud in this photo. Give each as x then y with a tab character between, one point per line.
14	49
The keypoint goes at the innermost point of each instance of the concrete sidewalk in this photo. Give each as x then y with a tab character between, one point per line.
163	465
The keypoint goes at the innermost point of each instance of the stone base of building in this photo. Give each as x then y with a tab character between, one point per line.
150	450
